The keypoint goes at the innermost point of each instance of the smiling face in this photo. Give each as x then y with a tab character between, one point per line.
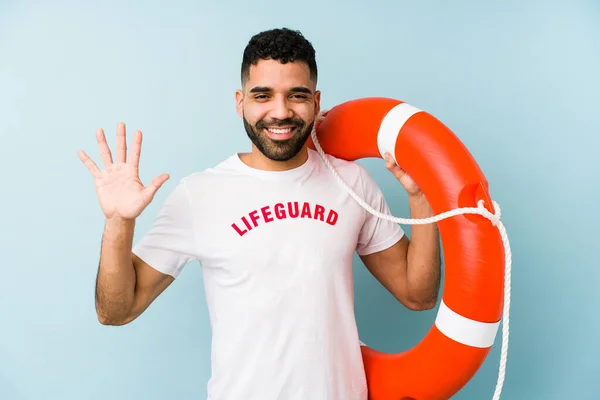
278	104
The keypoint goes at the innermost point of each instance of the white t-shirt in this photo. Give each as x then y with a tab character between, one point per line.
276	252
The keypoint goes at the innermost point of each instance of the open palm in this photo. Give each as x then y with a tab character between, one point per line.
120	192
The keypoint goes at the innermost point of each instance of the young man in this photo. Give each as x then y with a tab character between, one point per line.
275	235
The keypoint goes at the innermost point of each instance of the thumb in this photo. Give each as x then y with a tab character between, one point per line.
150	190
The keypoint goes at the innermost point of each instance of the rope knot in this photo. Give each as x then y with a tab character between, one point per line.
494	218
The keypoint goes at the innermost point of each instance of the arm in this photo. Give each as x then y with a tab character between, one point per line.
410	269
125	285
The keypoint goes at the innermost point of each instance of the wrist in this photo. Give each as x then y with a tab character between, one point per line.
117	227
118	221
417	198
419	205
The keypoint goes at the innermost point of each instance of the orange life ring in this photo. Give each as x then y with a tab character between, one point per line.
472	300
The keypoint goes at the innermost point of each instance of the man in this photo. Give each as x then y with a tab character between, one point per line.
275	235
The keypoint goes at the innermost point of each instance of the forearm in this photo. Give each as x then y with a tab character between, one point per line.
115	285
423	256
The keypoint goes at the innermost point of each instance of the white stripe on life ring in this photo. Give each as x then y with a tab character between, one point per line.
464	330
390	127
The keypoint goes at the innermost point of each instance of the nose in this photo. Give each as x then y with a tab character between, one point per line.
281	109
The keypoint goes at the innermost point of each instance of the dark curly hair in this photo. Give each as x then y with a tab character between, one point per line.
284	45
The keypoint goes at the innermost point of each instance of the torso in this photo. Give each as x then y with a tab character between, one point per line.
276	252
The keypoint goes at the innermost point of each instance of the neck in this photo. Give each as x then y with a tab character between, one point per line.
256	159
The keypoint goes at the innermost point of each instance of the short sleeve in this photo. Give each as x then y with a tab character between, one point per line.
376	234
169	244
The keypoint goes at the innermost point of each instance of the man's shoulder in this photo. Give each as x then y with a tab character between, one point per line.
347	169
336	162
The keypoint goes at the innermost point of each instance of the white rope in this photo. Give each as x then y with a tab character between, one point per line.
481	210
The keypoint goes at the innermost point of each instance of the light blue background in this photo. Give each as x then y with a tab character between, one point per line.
517	81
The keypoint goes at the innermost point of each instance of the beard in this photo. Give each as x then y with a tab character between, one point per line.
279	150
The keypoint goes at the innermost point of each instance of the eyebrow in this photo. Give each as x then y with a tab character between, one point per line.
265	89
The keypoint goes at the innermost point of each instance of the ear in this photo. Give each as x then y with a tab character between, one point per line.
317	98
239	102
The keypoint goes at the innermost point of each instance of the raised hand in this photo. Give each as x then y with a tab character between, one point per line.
120	192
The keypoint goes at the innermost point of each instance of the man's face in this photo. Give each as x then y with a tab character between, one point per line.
278	105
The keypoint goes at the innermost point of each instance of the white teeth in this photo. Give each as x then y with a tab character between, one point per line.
280	131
